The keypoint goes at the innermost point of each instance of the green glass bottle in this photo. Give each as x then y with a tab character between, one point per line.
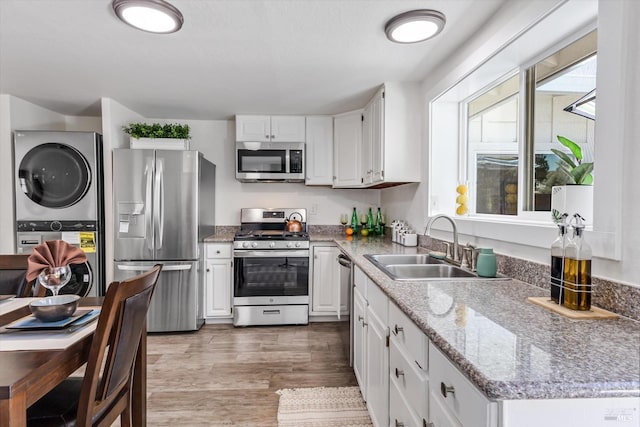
354	221
378	223
370	221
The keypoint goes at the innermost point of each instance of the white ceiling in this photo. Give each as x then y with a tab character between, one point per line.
231	56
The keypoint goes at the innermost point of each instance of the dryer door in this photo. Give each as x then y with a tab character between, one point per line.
54	175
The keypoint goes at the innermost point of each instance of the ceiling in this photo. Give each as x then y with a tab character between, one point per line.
231	56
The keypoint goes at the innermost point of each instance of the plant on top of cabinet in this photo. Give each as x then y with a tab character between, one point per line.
156	136
156	130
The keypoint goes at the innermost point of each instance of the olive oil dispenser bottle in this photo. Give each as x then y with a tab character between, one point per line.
577	269
557	261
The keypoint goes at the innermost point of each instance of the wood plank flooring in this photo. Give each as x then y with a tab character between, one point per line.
223	375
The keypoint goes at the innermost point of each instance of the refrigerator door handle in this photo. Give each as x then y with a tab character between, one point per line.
159	203
148	172
147	268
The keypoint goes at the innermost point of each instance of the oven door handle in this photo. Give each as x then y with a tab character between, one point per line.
271	254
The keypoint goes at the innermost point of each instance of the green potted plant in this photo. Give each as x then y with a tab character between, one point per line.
577	171
158	136
577	195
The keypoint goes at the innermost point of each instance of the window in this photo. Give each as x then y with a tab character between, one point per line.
512	128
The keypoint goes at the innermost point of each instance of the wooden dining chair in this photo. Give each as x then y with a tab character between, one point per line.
104	393
13	272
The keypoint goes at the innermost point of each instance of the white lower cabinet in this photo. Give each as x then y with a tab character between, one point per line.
218	282
456	396
329	294
400	412
371	346
359	314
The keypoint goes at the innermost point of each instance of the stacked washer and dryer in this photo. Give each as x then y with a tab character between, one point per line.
59	196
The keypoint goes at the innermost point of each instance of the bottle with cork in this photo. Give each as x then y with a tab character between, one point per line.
577	269
557	260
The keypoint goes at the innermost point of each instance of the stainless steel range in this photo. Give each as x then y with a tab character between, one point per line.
271	268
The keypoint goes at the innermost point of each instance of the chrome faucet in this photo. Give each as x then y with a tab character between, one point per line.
427	230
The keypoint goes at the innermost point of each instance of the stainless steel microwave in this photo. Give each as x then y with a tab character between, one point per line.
270	161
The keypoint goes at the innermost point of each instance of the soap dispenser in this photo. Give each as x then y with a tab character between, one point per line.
557	260
577	269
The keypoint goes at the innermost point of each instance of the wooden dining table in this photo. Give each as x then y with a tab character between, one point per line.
27	375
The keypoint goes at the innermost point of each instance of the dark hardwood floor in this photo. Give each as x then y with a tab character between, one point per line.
223	375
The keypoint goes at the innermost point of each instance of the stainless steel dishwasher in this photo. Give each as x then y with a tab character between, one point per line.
346	280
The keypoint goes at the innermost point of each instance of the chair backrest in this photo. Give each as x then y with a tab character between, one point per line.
13	271
107	381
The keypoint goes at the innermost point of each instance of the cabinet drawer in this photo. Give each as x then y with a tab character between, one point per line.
409	379
439	415
400	413
448	386
218	251
360	281
408	335
378	301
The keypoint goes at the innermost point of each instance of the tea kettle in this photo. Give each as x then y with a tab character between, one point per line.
293	225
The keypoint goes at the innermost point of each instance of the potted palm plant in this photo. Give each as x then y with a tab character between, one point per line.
158	136
576	196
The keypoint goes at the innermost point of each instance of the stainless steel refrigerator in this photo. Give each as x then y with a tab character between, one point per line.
163	209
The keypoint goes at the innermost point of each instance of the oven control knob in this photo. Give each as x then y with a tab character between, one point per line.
254	245
272	244
245	244
298	245
290	244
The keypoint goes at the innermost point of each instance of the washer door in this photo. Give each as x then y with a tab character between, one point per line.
54	175
81	280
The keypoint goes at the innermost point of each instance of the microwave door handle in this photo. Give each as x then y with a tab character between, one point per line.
148	172
287	161
159	202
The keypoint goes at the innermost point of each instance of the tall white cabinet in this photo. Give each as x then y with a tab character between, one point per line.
347	151
319	150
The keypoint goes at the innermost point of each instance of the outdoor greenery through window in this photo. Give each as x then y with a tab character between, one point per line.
513	129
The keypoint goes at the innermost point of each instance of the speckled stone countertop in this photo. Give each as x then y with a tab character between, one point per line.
508	347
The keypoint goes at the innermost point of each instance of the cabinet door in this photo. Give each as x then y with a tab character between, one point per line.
377	370
360	340
319	150
326	280
287	128
253	128
377	137
218	288
367	129
347	141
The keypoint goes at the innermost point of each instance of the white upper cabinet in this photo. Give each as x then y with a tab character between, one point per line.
347	150
319	150
270	128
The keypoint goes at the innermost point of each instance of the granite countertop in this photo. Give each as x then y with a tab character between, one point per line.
508	347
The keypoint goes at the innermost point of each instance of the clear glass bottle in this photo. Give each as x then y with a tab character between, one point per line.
557	261
354	220
577	270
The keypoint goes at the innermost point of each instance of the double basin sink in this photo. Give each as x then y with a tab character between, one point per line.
417	267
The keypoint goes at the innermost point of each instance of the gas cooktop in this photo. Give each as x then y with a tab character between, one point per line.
270	235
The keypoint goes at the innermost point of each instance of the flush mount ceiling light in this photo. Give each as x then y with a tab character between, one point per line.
154	16
414	26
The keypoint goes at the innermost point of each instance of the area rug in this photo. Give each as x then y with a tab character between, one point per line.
322	407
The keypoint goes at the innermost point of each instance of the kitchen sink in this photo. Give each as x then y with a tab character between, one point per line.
426	272
420	267
397	259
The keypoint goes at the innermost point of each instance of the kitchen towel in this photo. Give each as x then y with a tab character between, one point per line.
53	253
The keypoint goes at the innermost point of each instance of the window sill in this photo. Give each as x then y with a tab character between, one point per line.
537	234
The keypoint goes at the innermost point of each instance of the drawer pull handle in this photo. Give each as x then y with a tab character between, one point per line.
399	372
397	329
447	389
360	318
399	423
270	311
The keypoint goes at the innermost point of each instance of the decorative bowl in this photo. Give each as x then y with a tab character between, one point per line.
54	308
